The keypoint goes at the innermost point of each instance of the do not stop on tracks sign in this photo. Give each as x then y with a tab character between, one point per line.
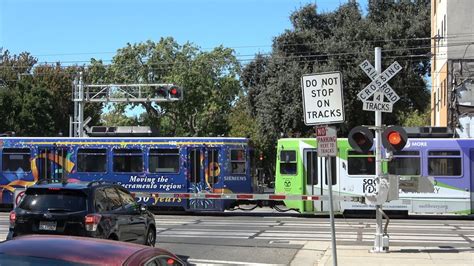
322	98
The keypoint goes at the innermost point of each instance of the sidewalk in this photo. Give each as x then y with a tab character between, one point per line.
320	253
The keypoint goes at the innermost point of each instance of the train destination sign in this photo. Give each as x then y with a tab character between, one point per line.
322	98
379	88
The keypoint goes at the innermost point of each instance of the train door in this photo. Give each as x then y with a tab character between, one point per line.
50	163
471	180
317	182
200	180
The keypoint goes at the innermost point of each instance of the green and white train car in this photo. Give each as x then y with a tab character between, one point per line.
436	176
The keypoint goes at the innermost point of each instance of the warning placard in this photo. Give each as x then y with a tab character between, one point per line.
327	141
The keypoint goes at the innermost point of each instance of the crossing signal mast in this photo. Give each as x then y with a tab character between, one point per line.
119	93
393	138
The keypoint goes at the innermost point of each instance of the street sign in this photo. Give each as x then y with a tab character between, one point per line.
322	98
379	81
327	141
377	106
386	89
379	88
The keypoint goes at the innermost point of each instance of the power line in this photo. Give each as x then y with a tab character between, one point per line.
305	55
452	36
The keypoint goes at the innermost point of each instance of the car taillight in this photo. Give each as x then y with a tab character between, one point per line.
91	221
12	218
170	261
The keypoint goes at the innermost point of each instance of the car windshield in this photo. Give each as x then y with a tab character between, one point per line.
24	261
62	200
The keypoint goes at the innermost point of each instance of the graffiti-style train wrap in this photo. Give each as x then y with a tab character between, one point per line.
436	176
172	165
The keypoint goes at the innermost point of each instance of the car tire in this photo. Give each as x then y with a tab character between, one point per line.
150	238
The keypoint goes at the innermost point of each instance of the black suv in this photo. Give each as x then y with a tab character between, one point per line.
94	209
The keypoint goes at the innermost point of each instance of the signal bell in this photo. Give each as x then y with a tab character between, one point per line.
394	138
361	139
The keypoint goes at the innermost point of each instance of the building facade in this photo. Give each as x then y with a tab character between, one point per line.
452	65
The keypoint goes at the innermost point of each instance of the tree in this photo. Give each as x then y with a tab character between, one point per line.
37	99
339	41
209	80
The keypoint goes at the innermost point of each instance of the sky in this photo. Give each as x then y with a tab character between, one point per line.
74	31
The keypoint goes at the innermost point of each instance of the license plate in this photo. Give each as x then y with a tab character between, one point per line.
47	226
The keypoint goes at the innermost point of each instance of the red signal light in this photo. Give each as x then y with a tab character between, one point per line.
394	138
173	91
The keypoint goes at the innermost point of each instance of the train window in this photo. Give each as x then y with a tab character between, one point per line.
213	165
237	161
92	160
16	160
361	163
444	163
288	162
444	153
333	172
405	163
128	160
164	161
311	168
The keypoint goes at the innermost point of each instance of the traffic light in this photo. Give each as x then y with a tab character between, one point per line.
394	138
361	139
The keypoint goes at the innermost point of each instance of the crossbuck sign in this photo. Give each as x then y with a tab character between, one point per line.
379	88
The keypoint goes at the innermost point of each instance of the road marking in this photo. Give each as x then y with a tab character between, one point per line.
205	262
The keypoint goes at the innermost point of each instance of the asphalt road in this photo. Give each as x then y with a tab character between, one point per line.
268	238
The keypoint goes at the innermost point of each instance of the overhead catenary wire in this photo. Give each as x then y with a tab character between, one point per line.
270	56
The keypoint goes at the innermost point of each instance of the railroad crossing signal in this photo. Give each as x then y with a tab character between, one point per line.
394	138
361	139
379	88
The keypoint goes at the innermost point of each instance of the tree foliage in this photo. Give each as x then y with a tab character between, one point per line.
339	41
209	79
36	99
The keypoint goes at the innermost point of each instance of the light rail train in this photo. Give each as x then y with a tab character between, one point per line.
172	165
436	175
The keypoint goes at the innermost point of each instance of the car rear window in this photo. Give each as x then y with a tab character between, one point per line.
54	200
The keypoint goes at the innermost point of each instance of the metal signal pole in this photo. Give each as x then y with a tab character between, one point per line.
378	242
